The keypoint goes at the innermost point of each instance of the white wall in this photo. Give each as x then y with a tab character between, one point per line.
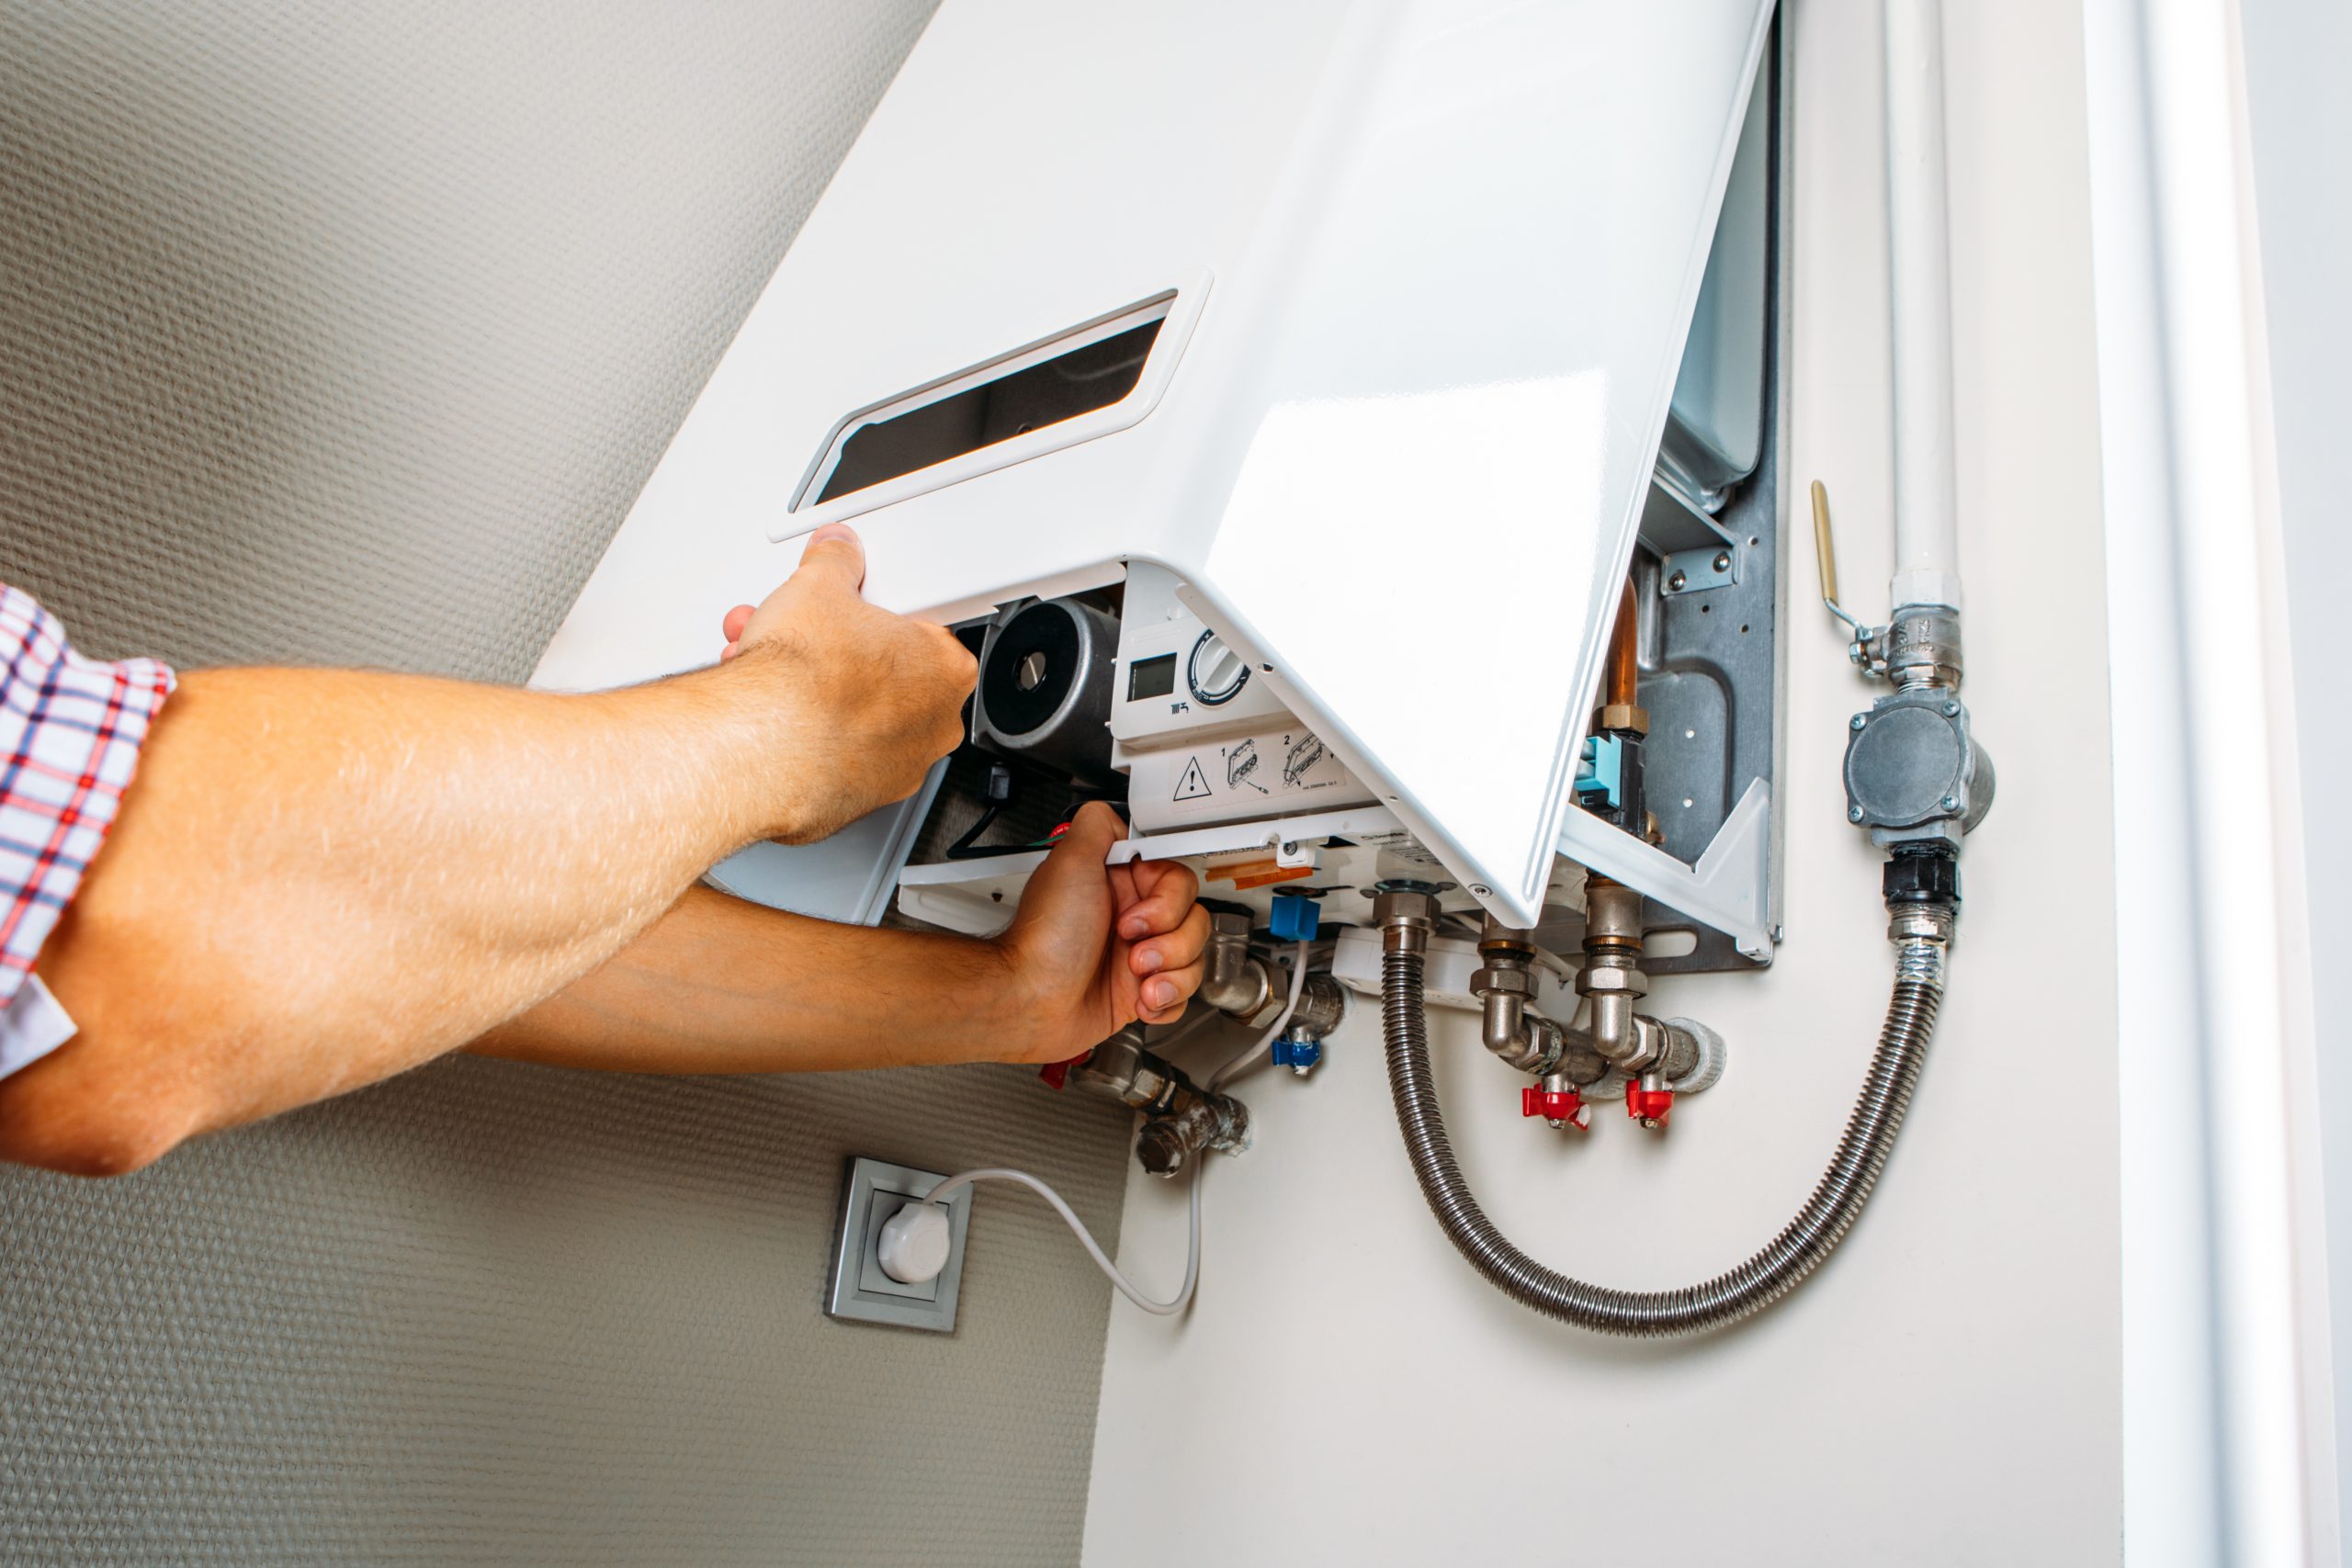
1947	1390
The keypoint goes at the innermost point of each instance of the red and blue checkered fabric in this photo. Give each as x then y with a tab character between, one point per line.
69	732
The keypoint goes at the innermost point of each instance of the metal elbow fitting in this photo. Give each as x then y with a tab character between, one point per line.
1678	1052
1615	1030
1504	986
1232	981
1611	980
1243	987
1521	1039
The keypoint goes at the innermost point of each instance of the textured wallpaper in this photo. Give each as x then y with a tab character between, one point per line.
345	333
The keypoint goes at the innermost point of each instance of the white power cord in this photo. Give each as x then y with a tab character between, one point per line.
919	1230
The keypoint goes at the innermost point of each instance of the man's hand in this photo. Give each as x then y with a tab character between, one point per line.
1096	948
720	986
319	878
866	701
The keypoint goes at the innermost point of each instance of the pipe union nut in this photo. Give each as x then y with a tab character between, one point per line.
1405	918
1594	979
1626	716
1505	982
1228	925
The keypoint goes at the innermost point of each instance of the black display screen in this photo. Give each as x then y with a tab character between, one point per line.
1019	401
1151	677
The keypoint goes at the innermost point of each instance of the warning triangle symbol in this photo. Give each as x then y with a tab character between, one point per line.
1195	784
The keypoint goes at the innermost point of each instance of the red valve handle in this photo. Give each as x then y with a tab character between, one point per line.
1057	1074
1552	1105
1648	1104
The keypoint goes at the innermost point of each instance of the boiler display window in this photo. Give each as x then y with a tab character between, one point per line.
1151	677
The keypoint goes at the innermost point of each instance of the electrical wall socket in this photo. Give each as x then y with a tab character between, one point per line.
859	1291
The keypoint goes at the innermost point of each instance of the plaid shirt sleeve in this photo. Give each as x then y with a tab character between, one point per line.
70	733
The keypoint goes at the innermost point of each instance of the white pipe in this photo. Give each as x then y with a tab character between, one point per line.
1927	521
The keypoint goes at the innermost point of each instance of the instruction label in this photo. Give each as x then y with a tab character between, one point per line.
1277	772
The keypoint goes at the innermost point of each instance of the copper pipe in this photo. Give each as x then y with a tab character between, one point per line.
1621	675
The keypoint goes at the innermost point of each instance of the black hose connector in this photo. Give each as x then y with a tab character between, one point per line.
1921	874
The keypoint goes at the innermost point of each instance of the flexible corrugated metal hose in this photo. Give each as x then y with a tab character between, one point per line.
1763	1279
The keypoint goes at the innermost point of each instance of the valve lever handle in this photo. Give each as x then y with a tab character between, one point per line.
1824	551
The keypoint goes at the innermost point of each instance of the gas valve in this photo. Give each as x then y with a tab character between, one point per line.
1560	1106
1648	1100
1298	1053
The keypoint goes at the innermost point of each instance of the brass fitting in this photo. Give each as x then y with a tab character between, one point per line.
1624	715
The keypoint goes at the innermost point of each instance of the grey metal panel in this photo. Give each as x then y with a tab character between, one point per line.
346	334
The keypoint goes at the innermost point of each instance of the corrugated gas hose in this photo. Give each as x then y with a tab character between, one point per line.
1764	1277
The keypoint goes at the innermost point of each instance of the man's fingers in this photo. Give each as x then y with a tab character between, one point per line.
1078	854
835	556
1180	948
966	670
1167	891
1163	996
1097	821
1093	829
732	624
1149	874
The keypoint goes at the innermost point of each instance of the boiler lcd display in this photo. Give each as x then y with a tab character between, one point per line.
1151	677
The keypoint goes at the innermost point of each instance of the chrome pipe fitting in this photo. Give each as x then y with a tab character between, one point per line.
1921	648
1612	916
1505	986
1695	1055
1180	1119
1611	980
1168	1144
1406	917
1322	1004
1613	1028
1232	981
1910	923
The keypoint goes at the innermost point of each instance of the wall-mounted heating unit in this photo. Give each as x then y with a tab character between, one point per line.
1351	437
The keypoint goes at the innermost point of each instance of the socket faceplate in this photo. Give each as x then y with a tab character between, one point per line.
859	1290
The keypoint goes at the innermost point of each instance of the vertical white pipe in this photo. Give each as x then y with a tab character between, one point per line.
1927	521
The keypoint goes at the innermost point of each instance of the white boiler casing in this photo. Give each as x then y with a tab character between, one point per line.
1415	278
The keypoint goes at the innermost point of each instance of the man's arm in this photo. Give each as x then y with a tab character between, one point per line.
720	986
319	878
